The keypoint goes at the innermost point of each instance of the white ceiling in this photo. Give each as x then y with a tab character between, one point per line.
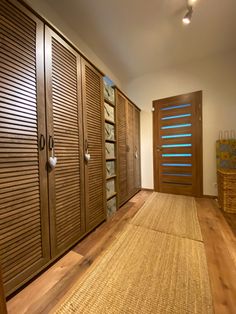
134	37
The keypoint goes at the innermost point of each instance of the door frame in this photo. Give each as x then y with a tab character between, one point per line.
198	131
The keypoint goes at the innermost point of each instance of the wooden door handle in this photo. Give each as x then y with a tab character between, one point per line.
51	142
87	155
42	142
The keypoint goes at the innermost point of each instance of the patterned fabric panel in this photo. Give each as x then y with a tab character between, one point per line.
111	207
109	93
226	154
110	150
110	167
110	187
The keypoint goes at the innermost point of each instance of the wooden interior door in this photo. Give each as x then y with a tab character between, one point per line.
24	232
177	139
65	140
93	120
122	147
137	170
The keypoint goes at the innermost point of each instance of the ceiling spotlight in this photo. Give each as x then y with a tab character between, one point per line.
187	18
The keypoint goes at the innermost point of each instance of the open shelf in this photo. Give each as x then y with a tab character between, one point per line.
109	121
110	159
111	177
111	196
110	141
109	102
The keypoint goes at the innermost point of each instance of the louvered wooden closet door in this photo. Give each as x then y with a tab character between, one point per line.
3	308
65	132
137	170
94	143
130	148
122	147
24	238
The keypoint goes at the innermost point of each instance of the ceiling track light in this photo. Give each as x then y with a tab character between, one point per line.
187	18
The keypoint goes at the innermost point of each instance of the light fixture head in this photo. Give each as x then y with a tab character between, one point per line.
187	18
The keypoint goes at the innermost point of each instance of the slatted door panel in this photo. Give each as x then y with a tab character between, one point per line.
94	145
137	170
177	144
3	308
122	148
24	235
65	130
130	148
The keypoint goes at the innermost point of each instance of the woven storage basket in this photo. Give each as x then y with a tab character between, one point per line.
227	189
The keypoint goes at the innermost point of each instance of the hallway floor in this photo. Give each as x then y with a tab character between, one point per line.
220	244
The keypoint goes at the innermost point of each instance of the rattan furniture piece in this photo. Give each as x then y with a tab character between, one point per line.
227	189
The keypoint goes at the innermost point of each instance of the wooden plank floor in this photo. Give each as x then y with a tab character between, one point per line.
220	244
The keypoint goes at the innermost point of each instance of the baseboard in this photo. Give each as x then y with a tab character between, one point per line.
204	196
210	196
129	197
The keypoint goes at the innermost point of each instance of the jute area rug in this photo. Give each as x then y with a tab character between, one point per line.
173	214
144	271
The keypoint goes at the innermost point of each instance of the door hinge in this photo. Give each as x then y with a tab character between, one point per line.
153	109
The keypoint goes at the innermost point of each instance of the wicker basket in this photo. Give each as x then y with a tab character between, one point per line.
227	189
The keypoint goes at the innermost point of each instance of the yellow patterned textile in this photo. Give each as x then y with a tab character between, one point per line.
226	154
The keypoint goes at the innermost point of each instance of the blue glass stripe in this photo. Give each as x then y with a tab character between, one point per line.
177	174
177	135
175	126
178	116
177	165
176	107
175	145
176	155
108	81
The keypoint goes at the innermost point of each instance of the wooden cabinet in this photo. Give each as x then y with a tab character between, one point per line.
24	229
128	129
92	95
122	148
65	142
3	308
51	107
137	163
130	148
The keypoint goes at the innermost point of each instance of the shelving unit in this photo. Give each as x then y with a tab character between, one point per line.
110	146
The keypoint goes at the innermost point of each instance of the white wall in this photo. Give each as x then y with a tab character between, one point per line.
216	77
49	13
